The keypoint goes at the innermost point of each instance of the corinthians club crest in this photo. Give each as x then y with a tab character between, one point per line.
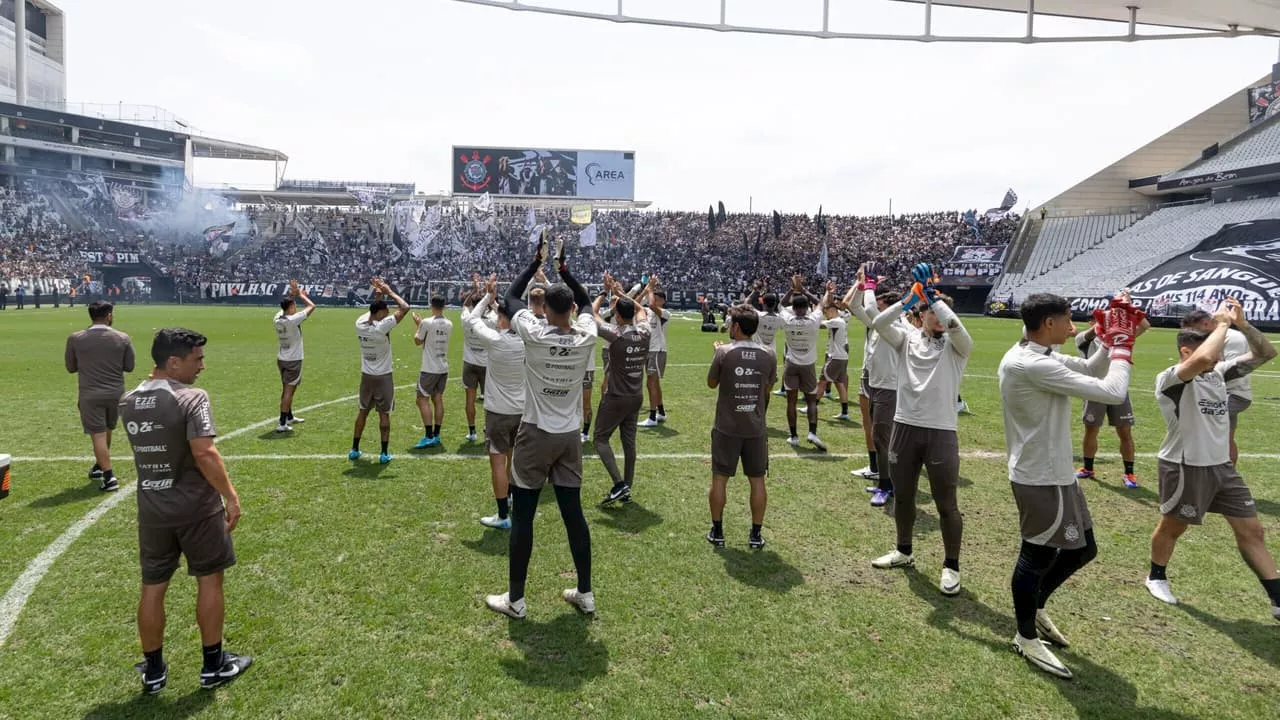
475	171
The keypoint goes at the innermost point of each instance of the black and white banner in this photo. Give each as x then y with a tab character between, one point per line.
974	265
98	257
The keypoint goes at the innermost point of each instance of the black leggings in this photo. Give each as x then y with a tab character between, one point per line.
1041	570
524	506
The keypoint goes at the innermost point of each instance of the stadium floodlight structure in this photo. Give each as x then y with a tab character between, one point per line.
1176	19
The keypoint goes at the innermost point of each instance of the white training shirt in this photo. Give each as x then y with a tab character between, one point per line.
838	343
931	368
474	351
289	335
375	344
1036	387
881	360
1195	414
554	364
658	329
1237	345
504	382
434	333
802	336
767	328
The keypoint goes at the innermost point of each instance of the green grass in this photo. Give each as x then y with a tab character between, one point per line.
359	587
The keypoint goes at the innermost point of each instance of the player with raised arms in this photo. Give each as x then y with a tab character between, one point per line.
801	322
288	325
627	350
377	386
881	366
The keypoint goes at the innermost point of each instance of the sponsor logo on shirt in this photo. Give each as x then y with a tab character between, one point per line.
150	448
163	484
555	392
749	407
145	402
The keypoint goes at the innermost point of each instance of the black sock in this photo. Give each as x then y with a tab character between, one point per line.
871	456
290	414
813	427
586	428
284	418
1157	572
1088	464
355	444
755	530
653	414
844	408
1273	589
1128	467
212	657
471	429
953	563
717	528
793	430
435	431
107	475
427	431
384	447
904	549
155	659
502	508
96	468
662	410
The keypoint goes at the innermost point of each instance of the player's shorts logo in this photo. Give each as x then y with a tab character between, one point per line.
1188	511
1089	418
1071	533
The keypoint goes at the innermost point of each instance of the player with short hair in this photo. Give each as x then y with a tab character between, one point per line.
656	366
100	356
548	446
377	386
627	351
932	361
801	325
881	367
1197	473
1036	387
1239	389
288	324
187	505
1119	416
475	361
836	369
504	351
742	372
433	336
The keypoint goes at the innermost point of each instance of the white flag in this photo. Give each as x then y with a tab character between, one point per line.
484	204
536	235
530	220
587	238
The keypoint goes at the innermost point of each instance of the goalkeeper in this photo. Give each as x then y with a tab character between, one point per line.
932	360
1036	387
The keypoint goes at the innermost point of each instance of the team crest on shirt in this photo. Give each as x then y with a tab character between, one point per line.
1188	510
1071	532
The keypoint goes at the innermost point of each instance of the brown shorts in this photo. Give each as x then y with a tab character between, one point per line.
500	432
206	544
884	404
727	450
1235	406
472	376
836	371
589	380
99	416
1119	415
1187	492
431	384
864	387
290	371
1055	516
656	364
377	392
799	377
541	456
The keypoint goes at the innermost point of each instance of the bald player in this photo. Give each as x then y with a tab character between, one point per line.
100	356
627	350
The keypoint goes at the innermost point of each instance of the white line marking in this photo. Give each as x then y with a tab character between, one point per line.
810	455
16	598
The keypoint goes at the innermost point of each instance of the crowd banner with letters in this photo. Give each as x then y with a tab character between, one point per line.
974	265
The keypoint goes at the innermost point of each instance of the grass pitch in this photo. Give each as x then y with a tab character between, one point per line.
359	587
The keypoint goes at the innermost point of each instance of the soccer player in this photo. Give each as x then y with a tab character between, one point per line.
1239	389
548	446
100	356
288	324
187	505
1036	387
475	363
801	325
769	321
881	366
377	387
628	350
656	367
932	361
742	372
433	335
836	369
504	351
1197	473
1119	416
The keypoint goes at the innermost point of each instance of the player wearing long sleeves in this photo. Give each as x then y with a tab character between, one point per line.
1036	387
475	359
1197	473
880	380
932	362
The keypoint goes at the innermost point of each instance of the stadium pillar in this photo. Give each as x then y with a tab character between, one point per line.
20	50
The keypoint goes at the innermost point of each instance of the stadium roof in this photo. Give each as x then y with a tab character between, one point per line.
1221	16
205	147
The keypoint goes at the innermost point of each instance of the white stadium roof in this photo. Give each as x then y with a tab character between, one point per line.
1176	18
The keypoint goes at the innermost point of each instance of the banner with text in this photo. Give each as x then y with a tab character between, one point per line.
98	257
586	174
974	265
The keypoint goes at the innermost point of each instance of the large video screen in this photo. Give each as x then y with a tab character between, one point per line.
586	174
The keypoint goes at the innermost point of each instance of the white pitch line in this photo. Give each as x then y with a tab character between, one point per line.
16	598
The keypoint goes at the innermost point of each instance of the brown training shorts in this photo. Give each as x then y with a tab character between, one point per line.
1187	492
589	380
290	371
500	432
1236	405
205	544
472	376
541	456
377	392
1120	415
431	384
803	378
656	363
727	450
1055	516
99	416
836	371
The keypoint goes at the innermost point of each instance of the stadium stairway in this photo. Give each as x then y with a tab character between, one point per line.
68	212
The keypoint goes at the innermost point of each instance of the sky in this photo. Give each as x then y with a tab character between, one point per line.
381	92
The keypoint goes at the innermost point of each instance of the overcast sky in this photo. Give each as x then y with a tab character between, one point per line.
380	91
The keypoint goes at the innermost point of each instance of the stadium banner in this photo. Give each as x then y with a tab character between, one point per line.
532	172
97	257
1242	261
1262	102
264	293
974	265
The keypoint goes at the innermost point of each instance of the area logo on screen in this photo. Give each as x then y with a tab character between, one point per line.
597	174
475	171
